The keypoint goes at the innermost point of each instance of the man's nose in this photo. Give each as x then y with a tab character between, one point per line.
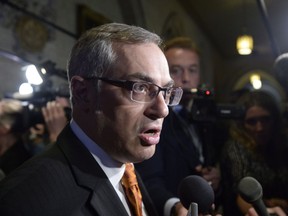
158	108
185	76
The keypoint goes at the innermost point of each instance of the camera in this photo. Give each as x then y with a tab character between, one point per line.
32	111
54	85
205	109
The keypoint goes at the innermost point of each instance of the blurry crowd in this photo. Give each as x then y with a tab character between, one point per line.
256	144
21	137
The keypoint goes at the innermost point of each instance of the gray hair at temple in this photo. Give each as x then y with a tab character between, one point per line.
94	53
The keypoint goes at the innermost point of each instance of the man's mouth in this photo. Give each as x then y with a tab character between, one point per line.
151	132
150	136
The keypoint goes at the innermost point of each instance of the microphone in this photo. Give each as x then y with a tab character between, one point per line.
280	69
196	194
251	191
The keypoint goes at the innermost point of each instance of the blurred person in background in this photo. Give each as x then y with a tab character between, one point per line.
257	147
13	150
18	140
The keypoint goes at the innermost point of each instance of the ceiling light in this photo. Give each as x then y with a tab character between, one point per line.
244	44
255	80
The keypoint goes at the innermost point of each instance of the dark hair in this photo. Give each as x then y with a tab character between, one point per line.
262	99
266	101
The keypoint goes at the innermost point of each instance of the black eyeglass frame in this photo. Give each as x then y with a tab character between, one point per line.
129	84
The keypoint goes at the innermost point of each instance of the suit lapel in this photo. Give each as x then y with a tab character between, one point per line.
88	174
149	206
105	203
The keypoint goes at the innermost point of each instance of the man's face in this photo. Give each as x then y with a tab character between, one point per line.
125	129
184	67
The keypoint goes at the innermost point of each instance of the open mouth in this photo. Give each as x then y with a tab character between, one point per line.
150	136
151	132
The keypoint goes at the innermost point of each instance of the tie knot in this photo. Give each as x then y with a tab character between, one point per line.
129	177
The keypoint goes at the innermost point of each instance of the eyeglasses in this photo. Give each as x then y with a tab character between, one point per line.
146	92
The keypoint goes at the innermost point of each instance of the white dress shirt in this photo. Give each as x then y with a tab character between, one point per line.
114	170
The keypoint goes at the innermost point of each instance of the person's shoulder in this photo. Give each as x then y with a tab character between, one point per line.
171	120
39	170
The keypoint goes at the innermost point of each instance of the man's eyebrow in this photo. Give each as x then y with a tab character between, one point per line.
181	66
141	76
169	84
146	78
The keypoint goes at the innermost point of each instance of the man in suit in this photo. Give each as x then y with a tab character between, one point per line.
120	88
182	150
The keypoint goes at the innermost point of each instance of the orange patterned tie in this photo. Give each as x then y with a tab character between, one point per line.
132	190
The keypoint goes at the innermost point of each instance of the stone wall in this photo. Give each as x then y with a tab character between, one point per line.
45	30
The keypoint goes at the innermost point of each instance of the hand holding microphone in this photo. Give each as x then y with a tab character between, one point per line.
274	211
211	174
251	191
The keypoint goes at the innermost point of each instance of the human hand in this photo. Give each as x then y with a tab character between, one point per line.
55	118
211	212
282	203
210	215
179	210
211	174
273	210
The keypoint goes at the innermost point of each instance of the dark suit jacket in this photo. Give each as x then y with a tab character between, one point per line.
175	158
14	157
65	180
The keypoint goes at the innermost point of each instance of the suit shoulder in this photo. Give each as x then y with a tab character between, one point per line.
39	170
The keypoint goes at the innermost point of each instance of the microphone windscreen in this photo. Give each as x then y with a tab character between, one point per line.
196	189
281	70
281	64
250	189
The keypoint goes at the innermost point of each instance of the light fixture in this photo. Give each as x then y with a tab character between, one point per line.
244	44
255	81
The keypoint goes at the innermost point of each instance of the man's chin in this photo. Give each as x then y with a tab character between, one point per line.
147	153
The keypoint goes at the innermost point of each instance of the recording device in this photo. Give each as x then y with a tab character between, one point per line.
205	109
196	195
32	114
54	85
32	105
251	191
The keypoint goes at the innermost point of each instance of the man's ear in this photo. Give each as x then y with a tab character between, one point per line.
79	89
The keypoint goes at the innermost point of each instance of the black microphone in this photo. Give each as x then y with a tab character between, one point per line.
251	191
196	190
280	69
